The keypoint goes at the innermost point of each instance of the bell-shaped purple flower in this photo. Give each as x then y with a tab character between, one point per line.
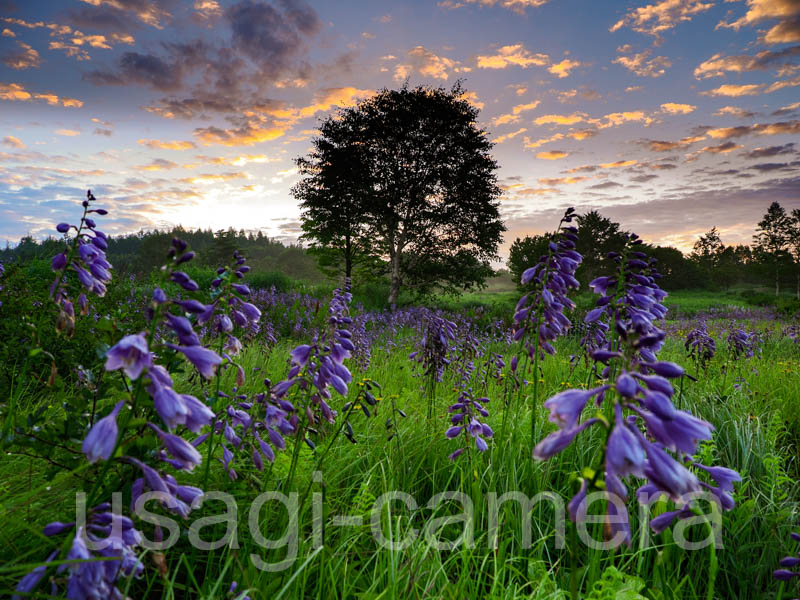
131	355
102	438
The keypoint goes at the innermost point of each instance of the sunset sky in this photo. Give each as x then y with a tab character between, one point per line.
668	117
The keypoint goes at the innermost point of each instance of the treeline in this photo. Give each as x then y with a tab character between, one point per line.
772	261
139	253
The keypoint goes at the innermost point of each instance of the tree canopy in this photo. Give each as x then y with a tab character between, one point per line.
406	177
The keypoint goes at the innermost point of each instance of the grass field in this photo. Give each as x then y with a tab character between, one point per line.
754	405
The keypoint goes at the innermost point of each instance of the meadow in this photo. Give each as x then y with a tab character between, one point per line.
354	402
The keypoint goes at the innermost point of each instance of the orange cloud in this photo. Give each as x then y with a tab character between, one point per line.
147	12
675	108
561	180
542	141
509	136
563	68
561	119
513	116
174	145
427	64
23	58
17	92
734	112
654	19
552	155
788	28
512	55
68	132
13	142
733	90
641	64
240	136
619	163
780	128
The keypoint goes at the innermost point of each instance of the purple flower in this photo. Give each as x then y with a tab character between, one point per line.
59	262
62	227
28	583
131	355
102	438
186	454
204	360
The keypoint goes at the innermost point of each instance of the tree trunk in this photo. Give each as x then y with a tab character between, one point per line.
348	258
777	282
394	289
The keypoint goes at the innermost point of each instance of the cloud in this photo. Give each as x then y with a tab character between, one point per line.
718	65
780	128
561	119
207	178
723	148
563	68
159	164
472	98
13	142
766	167
618	164
735	90
16	92
605	185
641	64
644	178
238	161
105	132
734	112
508	136
666	146
143	69
654	19
266	42
771	151
8	33
541	142
68	132
552	155
173	145
568	96
240	136
517	6
513	116
675	108
785	110
426	63
151	13
787	11
270	37
513	55
25	57
634	88
207	10
551	181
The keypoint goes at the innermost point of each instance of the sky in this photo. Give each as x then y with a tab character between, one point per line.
669	117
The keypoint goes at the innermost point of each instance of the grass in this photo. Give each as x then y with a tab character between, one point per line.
753	405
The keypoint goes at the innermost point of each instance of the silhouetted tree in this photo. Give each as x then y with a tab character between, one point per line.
772	238
423	191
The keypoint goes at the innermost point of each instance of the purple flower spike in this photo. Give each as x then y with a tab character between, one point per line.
102	438
131	355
